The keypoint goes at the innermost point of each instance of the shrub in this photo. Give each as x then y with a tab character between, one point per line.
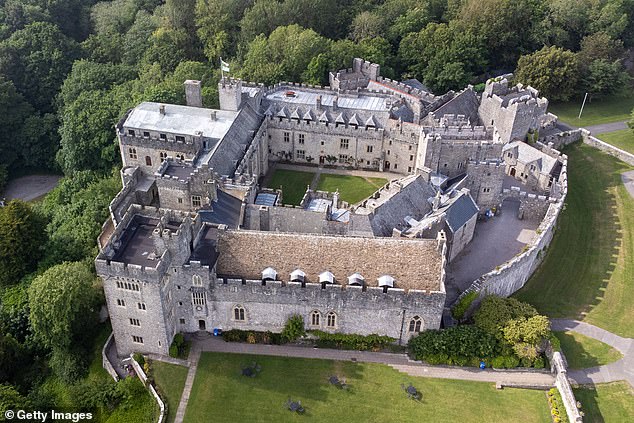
67	365
495	312
345	341
539	363
294	328
461	341
250	338
179	347
138	357
554	342
129	389
458	311
173	351
505	362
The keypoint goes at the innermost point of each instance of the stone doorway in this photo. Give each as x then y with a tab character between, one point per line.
202	325
512	171
387	165
322	160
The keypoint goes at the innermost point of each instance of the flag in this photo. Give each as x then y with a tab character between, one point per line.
224	65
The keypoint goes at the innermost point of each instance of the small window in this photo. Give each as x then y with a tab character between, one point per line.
141	306
322	143
137	339
532	167
388	152
410	147
181	321
287	137
132	152
509	154
343	158
301	154
238	313
148	161
486	189
315	318
331	320
163	156
409	169
197	280
411	157
180	303
196	201
395	166
369	148
301	139
163	136
131	132
344	144
181	156
146	134
135	322
180	138
415	324
390	143
120	302
180	201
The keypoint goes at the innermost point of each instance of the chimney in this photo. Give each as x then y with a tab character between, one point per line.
334	102
162	109
214	115
436	203
319	101
193	93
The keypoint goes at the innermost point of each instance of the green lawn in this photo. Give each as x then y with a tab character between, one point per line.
351	188
583	352
610	109
293	184
588	271
622	139
607	403
375	394
170	380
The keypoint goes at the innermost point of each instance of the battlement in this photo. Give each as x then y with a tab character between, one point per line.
407	89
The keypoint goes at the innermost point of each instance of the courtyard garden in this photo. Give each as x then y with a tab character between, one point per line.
170	381
582	352
293	184
604	110
607	403
623	139
372	393
588	272
352	189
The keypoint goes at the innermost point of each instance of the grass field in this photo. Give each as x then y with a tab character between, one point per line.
293	184
588	271
351	188
622	139
583	352
607	403
610	109
375	394
170	379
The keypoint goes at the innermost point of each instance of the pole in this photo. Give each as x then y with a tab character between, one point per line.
583	104
222	71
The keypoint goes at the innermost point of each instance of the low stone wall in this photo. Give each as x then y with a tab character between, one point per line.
559	367
562	139
141	374
607	148
104	359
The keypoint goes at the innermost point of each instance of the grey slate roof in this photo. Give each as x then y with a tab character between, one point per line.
460	211
529	154
230	150
225	211
465	103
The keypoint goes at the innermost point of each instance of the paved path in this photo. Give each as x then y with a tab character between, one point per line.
628	181
622	369
194	356
399	362
596	129
30	187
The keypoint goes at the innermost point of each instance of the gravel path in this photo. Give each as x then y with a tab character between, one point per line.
30	187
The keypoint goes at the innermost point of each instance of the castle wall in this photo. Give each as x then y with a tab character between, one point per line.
607	148
256	158
268	307
485	181
461	238
153	147
562	139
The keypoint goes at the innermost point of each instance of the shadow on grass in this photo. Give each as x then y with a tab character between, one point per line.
588	398
583	254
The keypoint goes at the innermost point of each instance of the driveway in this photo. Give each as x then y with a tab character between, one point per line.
30	187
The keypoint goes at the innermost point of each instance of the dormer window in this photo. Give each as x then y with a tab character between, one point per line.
180	138
386	282
131	132
356	279
163	136
326	277
269	274
298	275
146	134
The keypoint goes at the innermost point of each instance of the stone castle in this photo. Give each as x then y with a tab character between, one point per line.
193	243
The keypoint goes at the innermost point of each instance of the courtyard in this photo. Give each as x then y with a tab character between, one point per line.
375	394
495	241
353	186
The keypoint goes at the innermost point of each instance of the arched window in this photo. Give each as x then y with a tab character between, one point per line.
197	280
148	161
331	320
315	318
238	313
415	324
163	156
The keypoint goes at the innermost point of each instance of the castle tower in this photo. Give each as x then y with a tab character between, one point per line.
230	93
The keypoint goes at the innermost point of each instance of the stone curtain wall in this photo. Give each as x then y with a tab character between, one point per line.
607	148
143	377
559	367
512	275
107	365
562	139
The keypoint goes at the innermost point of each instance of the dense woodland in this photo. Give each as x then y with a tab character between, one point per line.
69	69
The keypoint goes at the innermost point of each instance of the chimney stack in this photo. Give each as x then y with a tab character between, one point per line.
162	109
214	115
193	93
319	101
334	102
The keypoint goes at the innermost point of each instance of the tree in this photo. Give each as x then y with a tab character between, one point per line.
552	70
525	335
494	312
21	238
603	78
14	110
37	59
64	305
10	399
366	25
